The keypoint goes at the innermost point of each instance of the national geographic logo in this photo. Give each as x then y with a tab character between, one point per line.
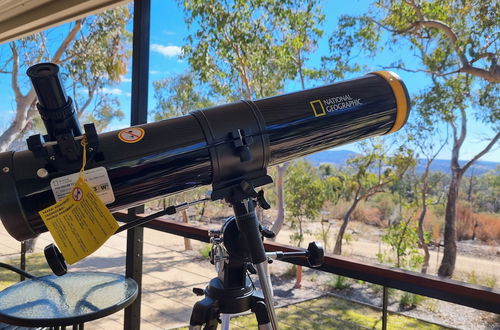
321	107
318	108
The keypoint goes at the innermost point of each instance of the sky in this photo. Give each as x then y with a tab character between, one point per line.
168	33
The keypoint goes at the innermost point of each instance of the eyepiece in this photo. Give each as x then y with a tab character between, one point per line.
56	109
47	83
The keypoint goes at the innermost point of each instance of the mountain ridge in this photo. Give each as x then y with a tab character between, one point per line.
339	158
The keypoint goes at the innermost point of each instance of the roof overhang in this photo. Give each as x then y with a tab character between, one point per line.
20	18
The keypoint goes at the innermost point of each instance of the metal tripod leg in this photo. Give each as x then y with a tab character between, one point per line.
268	292
248	224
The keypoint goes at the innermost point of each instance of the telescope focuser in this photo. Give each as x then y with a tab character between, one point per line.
60	119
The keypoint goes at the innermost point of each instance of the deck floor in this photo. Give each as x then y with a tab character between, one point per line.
169	274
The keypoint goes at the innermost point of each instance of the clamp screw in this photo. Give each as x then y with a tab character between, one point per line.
42	172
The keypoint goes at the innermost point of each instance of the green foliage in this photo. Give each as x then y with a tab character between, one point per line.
472	277
304	195
337	282
410	300
403	240
483	191
205	250
98	58
247	49
351	34
370	173
177	96
386	204
334	313
374	169
490	281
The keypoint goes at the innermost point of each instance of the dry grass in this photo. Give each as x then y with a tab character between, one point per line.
488	227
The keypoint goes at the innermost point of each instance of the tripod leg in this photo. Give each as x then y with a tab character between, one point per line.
225	321
204	313
262	316
248	225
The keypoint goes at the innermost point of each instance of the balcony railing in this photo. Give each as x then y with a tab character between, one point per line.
475	296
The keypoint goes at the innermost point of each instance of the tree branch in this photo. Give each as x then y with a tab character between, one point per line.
491	75
15	73
69	38
481	153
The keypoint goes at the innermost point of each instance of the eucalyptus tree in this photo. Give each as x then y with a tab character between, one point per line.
456	44
178	95
92	53
249	49
423	139
369	173
305	195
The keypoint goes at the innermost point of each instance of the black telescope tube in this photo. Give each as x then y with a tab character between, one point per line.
56	109
216	145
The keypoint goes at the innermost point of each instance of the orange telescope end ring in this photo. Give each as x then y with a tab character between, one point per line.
402	98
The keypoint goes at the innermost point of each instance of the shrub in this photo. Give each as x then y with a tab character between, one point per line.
488	228
465	221
410	300
205	250
368	215
337	282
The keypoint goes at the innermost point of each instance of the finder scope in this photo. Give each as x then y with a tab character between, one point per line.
222	145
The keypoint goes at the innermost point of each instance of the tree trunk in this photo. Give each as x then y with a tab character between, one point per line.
450	231
298	277
345	221
421	237
280	200
422	243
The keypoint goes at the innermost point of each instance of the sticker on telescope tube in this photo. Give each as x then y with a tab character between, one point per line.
131	134
97	178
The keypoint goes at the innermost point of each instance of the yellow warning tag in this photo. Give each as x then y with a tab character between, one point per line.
79	223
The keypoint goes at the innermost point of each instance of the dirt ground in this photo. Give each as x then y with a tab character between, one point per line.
480	258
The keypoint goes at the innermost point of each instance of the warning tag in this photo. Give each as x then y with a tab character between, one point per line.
97	178
80	223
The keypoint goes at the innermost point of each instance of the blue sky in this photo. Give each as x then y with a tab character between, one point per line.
168	32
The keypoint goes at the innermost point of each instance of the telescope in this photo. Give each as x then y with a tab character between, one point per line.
222	145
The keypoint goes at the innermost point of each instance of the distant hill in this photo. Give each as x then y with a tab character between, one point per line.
339	158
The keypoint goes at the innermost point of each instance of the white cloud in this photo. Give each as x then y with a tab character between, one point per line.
112	91
125	79
168	33
168	51
154	72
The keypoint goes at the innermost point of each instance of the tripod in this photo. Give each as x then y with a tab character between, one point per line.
237	249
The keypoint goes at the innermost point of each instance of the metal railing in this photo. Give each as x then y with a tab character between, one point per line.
470	295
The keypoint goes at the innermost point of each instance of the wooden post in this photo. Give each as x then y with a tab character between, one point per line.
187	241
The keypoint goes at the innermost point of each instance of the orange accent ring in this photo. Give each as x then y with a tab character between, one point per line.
402	101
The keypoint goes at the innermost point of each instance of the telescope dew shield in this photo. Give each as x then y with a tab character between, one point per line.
220	145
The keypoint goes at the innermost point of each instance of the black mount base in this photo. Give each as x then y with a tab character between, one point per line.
219	299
